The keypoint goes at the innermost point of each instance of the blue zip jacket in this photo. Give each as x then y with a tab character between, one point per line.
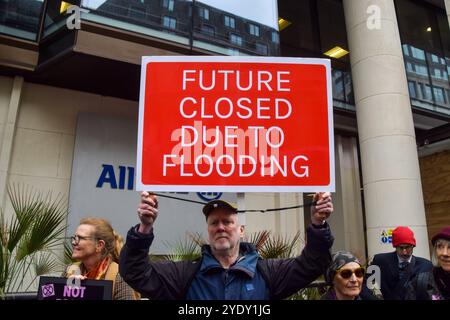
241	281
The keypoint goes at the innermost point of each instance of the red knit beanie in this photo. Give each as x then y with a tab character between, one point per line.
403	235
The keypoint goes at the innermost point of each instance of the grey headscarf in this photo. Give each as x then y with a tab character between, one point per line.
339	259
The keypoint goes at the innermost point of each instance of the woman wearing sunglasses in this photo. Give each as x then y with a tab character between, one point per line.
96	247
345	276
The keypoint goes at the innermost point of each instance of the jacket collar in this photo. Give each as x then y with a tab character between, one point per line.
246	262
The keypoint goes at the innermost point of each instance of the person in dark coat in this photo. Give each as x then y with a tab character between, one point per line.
399	267
229	269
435	284
345	276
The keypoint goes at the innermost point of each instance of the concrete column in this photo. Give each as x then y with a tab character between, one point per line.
347	219
390	167
8	136
447	8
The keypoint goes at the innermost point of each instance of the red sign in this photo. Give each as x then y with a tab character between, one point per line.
235	124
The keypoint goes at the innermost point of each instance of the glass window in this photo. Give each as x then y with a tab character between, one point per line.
412	89
20	18
234	38
409	67
136	12
207	29
440	74
233	52
275	37
253	30
418	53
439	95
434	58
261	49
415	20
203	13
405	49
444	32
229	22
338	85
436	73
169	22
342	86
168	4
426	92
348	88
250	21
421	70
332	26
298	38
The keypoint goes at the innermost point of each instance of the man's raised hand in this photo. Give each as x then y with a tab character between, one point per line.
322	209
147	211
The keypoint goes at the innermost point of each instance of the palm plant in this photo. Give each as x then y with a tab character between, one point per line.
190	250
29	237
277	246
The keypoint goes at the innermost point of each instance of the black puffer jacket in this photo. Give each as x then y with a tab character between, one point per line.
433	285
167	280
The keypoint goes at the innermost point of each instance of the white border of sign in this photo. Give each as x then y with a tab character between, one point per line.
234	188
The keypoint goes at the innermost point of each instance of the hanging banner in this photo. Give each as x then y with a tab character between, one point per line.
241	124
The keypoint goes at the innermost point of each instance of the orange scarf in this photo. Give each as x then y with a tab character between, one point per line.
99	271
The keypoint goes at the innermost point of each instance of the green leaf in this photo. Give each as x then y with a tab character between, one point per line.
259	239
26	241
45	264
189	250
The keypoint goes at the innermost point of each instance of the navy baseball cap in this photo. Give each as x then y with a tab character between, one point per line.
214	204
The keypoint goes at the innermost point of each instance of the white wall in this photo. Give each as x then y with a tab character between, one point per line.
45	134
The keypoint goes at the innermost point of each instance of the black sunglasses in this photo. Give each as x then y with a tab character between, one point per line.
347	273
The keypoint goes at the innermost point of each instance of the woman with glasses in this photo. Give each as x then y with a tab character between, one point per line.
96	247
344	276
435	284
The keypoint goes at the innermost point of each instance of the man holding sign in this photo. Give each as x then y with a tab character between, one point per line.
247	124
229	269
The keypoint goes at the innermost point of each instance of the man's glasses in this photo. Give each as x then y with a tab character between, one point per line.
404	247
347	273
75	239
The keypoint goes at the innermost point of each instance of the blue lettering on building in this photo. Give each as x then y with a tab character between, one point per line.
109	176
122	178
